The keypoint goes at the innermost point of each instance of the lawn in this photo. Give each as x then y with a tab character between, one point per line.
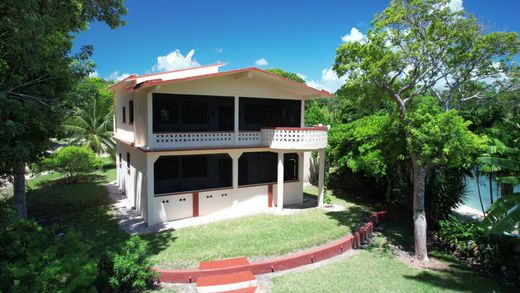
85	207
376	269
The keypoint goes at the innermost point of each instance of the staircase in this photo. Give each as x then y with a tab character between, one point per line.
238	282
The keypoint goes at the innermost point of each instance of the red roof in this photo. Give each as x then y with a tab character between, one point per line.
155	82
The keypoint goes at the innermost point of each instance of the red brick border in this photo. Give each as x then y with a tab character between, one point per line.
282	263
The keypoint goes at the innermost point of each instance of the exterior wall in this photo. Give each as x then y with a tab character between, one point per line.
124	131
132	180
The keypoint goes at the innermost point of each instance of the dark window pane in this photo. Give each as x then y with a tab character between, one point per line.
256	113
290	167
128	160
131	112
173	112
256	168
192	173
194	113
124	114
194	166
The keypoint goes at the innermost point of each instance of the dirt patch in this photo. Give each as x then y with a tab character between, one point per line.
408	258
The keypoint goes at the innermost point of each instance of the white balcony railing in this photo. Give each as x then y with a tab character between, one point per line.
308	138
295	137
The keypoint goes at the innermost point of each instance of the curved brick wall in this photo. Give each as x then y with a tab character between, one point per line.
282	263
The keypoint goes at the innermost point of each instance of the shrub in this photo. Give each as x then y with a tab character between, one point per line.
470	241
35	260
72	161
128	269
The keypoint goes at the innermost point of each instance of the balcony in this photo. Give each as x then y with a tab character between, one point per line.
288	138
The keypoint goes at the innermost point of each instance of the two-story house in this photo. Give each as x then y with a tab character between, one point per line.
195	142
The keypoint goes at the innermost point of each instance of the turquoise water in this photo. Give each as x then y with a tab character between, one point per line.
472	199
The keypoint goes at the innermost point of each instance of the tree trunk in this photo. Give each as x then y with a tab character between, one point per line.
479	194
419	214
388	195
19	189
490	177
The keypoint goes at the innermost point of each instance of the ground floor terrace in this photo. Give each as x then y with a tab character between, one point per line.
170	185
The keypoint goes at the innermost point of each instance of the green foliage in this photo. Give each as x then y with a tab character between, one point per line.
445	190
43	70
128	269
317	113
34	260
91	126
503	215
369	144
72	160
471	241
441	138
286	74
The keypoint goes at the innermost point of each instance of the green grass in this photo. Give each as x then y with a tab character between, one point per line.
85	207
376	269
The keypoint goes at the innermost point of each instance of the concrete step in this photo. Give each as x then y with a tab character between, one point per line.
227	282
224	263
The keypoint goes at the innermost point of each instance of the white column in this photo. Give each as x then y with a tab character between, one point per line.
301	157
302	112
235	156
149	120
321	176
151	215
236	117
279	185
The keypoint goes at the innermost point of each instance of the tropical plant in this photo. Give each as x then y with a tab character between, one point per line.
504	214
127	269
72	161
91	127
286	74
413	47
38	70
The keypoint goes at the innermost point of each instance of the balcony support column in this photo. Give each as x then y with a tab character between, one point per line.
321	177
235	156
149	120
302	112
279	185
236	119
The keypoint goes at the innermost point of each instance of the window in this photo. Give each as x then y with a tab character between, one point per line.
172	112
192	172
131	112
128	160
124	114
194	113
290	167
120	160
262	167
257	167
256	113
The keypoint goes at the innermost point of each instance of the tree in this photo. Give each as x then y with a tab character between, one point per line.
286	74
372	144
92	128
36	76
421	47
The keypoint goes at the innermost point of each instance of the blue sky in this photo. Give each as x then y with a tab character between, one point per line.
297	36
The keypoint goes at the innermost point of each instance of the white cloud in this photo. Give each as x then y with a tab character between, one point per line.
224	63
261	62
175	60
94	74
329	81
456	5
354	36
219	50
116	75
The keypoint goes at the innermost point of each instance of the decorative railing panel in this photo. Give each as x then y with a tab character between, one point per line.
295	138
309	138
193	139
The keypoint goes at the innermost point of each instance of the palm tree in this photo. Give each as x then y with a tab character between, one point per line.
504	214
91	126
